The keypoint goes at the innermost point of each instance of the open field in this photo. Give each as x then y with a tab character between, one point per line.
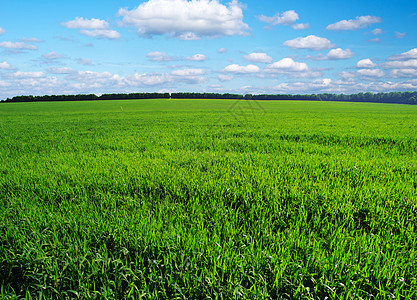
208	199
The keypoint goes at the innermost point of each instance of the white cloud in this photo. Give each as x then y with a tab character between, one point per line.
366	63
286	65
223	77
93	28
300	26
147	79
377	31
403	73
371	73
236	69
400	64
88	75
87	80
359	22
339	53
184	19
85	61
364	73
258	57
412	54
158	56
2	31
323	85
188	72
375	40
81	23
26	75
4	83
197	57
101	33
190	76
400	35
31	40
286	18
347	87
310	42
349	76
334	54
64	70
17	46
5	65
52	55
222	50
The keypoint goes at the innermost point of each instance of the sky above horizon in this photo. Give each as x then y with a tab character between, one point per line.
248	46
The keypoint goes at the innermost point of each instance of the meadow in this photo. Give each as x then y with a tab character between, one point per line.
208	199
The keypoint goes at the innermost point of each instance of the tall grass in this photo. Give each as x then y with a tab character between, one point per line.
208	199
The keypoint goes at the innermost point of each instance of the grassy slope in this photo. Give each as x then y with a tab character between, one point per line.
208	198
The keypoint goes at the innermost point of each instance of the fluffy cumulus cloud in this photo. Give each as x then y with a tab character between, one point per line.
25	75
258	57
237	69
190	76
334	54
286	65
371	73
197	57
366	63
101	33
188	72
187	76
84	80
92	27
399	64
223	77
300	26
187	20
368	74
287	18
339	53
403	73
412	54
17	46
152	79
2	31
318	85
158	56
357	23
327	85
310	42
81	23
402	64
5	65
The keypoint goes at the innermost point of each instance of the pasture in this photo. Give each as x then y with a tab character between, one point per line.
208	199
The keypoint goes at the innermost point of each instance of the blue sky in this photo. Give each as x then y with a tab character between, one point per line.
242	47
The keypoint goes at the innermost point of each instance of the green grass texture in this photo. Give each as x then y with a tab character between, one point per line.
208	199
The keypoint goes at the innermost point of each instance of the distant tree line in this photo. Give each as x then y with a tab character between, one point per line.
391	97
88	97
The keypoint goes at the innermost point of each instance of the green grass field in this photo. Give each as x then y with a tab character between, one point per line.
208	199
